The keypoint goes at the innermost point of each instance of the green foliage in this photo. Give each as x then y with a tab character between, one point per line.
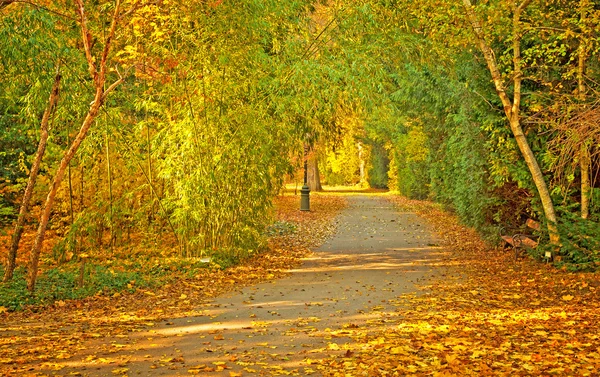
448	118
7	213
580	241
410	161
380	164
126	273
60	283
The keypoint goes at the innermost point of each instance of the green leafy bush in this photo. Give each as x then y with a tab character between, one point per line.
580	241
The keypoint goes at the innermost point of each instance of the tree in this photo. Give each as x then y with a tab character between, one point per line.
512	107
98	70
35	168
584	153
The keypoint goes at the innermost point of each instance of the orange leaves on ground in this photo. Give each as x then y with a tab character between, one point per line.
38	339
488	315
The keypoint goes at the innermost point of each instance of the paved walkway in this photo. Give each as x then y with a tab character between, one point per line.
277	328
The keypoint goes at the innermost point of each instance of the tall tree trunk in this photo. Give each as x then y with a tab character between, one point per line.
73	241
149	156
584	153
35	168
512	108
110	193
314	177
98	73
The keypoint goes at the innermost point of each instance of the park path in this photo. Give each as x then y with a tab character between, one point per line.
279	328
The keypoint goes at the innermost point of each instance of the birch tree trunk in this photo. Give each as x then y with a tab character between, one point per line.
98	73
584	153
35	168
512	107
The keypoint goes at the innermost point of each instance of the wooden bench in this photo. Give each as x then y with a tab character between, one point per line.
520	241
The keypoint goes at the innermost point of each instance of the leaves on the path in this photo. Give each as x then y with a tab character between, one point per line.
39	339
484	315
488	315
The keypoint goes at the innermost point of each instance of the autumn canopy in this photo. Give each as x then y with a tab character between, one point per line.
140	139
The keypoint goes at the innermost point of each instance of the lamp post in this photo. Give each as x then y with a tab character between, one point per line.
305	191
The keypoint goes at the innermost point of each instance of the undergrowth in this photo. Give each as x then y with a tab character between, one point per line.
580	242
125	270
104	277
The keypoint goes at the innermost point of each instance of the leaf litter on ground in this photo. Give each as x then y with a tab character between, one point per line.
488	316
35	341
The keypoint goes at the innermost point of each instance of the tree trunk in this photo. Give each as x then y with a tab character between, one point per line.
584	153
585	162
314	178
35	168
362	164
512	108
150	182
98	73
110	193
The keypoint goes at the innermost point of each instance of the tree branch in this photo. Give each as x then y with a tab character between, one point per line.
518	72
86	38
5	3
522	7
111	88
489	56
111	34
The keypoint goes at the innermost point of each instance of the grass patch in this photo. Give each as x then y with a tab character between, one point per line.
61	283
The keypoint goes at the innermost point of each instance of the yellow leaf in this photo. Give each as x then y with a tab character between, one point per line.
567	298
450	359
235	374
120	370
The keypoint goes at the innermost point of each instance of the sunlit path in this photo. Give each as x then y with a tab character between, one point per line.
350	284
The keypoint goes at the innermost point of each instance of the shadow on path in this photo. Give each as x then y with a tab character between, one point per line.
349	285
